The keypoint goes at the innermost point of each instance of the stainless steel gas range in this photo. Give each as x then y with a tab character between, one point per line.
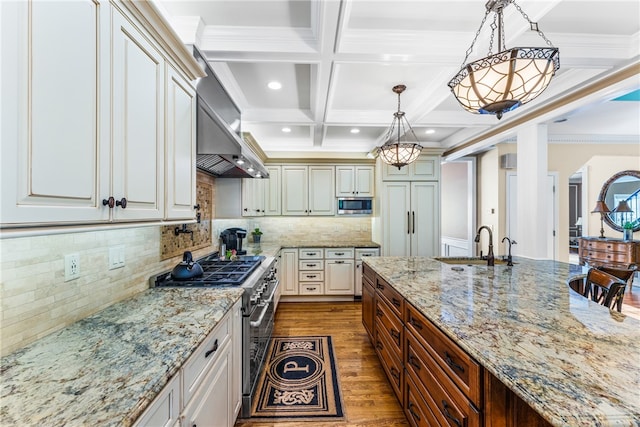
257	275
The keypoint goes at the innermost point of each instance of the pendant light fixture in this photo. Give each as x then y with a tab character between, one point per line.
397	150
505	80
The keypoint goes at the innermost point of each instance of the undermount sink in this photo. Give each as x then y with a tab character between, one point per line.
469	261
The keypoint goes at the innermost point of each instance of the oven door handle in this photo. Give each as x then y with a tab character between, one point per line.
256	323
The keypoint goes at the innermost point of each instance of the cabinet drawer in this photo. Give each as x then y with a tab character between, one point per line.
391	325
395	300
311	288
368	273
607	257
416	409
607	246
311	265
311	276
447	401
390	362
196	368
459	366
311	253
339	253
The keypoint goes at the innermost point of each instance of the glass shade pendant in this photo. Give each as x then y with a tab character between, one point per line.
398	151
504	81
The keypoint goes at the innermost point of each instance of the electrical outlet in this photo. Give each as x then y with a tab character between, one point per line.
116	257
71	267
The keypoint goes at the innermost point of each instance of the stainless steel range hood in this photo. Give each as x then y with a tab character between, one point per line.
221	151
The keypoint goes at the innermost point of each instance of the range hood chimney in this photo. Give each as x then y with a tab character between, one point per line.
220	150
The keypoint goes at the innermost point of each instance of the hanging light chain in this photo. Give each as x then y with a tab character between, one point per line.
533	25
464	62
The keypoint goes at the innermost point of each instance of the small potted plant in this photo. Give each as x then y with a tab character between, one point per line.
256	233
627	230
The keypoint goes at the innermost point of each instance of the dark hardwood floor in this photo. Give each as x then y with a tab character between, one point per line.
632	296
367	395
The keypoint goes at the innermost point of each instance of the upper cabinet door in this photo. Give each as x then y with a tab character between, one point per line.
138	123
295	190
180	180
425	168
54	99
273	194
354	181
322	190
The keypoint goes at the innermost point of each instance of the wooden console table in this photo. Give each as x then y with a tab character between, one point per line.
617	253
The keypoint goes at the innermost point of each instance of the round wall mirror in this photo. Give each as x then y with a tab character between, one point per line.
621	193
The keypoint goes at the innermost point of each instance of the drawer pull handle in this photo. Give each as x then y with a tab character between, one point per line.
379	286
413	414
395	334
395	374
413	361
415	323
311	265
310	254
311	276
339	262
379	312
445	408
451	363
339	253
395	302
379	345
213	350
311	289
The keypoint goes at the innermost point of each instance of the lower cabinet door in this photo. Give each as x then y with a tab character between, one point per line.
211	405
164	410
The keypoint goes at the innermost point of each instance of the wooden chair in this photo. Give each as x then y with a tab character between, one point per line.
626	274
604	288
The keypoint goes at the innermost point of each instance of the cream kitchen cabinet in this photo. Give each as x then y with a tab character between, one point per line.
180	176
354	181
273	191
253	197
138	123
207	390
410	218
308	190
55	111
288	271
425	168
339	271
83	113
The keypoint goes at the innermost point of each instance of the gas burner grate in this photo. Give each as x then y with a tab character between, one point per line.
217	272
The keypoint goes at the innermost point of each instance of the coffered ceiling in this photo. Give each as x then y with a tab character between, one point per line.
338	60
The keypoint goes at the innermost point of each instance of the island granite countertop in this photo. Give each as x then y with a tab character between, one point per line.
106	369
573	361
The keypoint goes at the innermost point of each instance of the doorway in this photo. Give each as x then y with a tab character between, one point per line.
458	207
552	212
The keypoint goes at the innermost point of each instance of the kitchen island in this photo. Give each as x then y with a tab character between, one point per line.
107	368
572	361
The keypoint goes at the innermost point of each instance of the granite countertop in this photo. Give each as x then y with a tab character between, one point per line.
573	361
105	369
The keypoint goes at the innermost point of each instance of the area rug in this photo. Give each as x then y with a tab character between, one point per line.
299	381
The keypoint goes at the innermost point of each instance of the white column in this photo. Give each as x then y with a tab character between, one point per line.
532	201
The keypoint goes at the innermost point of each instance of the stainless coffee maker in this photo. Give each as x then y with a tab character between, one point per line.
231	238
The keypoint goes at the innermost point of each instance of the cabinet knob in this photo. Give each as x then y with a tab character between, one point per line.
122	203
111	202
196	207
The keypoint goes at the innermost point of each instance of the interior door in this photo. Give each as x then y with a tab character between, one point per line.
552	213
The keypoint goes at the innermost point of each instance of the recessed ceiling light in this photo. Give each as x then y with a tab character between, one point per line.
249	169
430	131
274	85
286	130
355	130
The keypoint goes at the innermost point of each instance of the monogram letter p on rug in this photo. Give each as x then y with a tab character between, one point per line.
299	381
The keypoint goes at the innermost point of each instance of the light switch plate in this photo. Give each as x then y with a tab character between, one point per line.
116	257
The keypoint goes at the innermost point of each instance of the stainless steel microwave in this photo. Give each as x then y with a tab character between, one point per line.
355	206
